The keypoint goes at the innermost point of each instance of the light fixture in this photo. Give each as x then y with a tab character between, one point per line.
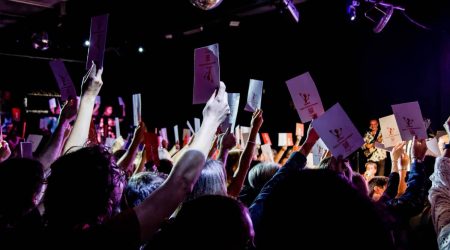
380	14
39	41
141	49
206	4
351	10
289	5
87	43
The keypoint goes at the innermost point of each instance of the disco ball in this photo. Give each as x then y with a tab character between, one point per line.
205	4
40	41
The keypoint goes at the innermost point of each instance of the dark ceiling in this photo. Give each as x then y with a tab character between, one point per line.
268	45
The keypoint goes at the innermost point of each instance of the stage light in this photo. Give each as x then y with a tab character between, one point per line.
87	43
141	49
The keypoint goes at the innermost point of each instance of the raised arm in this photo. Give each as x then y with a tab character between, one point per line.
161	203
53	148
92	83
126	161
227	142
246	157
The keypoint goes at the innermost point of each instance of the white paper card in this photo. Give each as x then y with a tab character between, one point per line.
433	148
338	132
35	141
206	73
390	131
190	127
26	150
258	139
409	120
109	142
137	109
196	124
230	121
254	95
163	134
98	100
267	151
52	103
65	84
317	152
305	97
121	102
117	124
175	133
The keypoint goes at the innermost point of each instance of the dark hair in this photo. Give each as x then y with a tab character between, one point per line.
20	180
80	188
141	185
209	222
261	173
377	181
318	208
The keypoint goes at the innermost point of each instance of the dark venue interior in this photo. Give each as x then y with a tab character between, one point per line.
365	71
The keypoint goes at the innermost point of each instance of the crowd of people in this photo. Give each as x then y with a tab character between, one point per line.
216	191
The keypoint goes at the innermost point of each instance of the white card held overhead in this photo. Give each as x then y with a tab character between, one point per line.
52	103
338	132
267	151
285	139
433	148
390	131
35	141
98	100
190	127
299	129
163	134
317	152
175	133
305	97
196	124
206	73
117	124
26	150
230	121
409	120
97	40
258	139
121	102
254	95
65	84
137	111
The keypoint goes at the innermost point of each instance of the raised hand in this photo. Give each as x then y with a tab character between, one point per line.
69	111
257	119
419	148
217	108
92	81
227	140
5	151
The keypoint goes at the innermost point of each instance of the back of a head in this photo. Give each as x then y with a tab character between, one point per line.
261	173
165	166
141	185
211	181
316	209
20	180
79	187
211	222
377	181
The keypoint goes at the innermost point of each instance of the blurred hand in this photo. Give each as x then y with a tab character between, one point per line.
217	107
257	119
92	81
69	111
419	148
5	151
227	140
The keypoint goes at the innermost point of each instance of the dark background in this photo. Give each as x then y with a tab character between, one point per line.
350	64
